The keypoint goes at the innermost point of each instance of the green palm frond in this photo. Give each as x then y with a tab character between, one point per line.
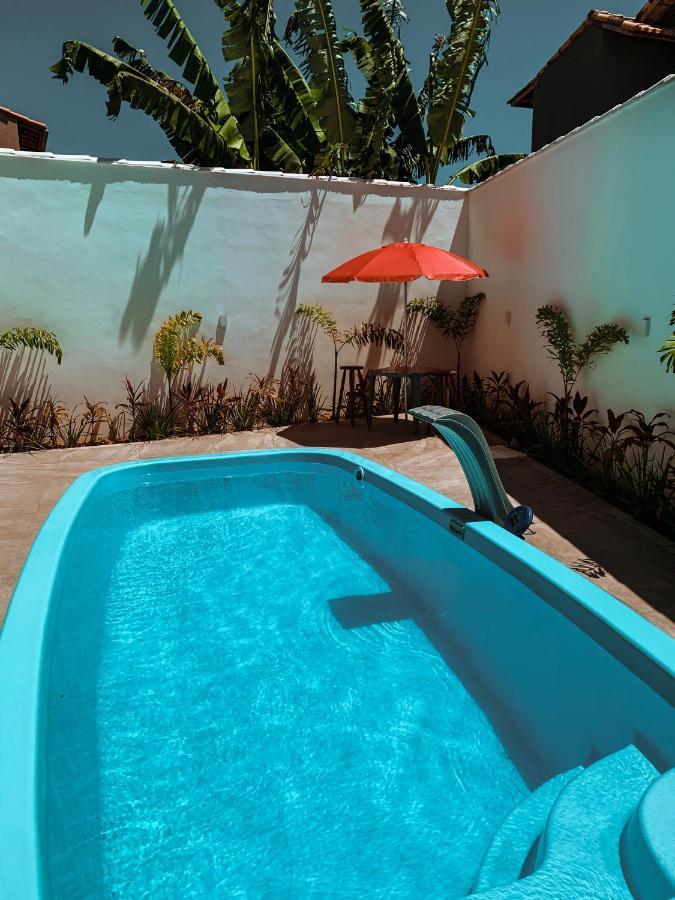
320	316
185	52
393	71
312	33
32	339
374	124
454	74
296	105
484	168
248	44
185	120
191	134
395	13
176	346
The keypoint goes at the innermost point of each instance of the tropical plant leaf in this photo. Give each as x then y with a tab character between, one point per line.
191	134
183	50
667	349
297	106
320	316
248	44
32	339
276	150
176	346
389	60
484	168
184	120
473	145
395	13
312	32
375	118
453	74
376	334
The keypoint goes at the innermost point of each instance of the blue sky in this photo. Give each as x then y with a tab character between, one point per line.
526	34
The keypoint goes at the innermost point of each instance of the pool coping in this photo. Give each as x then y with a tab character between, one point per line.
635	642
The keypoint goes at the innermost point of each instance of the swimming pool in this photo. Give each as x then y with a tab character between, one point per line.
282	674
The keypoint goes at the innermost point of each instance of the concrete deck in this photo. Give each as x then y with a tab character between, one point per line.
604	545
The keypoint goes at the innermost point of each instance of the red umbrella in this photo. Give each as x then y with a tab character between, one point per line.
404	262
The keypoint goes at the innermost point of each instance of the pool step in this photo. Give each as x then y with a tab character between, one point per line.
515	840
578	853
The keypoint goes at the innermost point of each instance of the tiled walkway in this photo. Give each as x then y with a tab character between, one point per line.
623	557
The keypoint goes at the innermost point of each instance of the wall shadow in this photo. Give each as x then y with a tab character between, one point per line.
154	269
584	520
287	292
385	432
23	374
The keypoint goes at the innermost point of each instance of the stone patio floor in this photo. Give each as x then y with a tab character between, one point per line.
625	558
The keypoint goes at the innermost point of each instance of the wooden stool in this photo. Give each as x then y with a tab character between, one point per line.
353	371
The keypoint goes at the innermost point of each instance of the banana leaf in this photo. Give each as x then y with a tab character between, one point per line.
485	168
186	121
312	32
391	65
183	49
454	74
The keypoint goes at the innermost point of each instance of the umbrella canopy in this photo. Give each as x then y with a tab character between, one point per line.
403	262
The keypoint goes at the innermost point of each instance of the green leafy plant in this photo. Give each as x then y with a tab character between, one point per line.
274	113
667	349
357	336
454	323
177	348
627	459
32	339
571	357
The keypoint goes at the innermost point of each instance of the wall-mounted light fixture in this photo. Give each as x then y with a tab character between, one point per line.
221	330
646	325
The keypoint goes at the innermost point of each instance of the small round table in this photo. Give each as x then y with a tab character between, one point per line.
444	387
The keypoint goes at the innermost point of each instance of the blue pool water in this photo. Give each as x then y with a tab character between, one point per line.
244	700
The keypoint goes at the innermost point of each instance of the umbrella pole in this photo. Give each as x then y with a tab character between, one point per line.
405	349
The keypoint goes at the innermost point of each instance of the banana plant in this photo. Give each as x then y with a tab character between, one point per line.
423	131
272	113
198	123
312	33
267	93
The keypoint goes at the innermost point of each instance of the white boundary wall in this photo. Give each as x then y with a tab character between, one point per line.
102	252
589	223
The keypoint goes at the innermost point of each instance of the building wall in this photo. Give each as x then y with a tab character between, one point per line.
101	253
599	70
585	223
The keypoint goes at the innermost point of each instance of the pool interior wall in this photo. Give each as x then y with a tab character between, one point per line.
344	691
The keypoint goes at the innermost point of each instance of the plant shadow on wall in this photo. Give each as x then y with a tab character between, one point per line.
155	268
287	294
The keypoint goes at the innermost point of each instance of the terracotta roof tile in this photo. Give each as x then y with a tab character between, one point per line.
32	134
609	21
657	12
